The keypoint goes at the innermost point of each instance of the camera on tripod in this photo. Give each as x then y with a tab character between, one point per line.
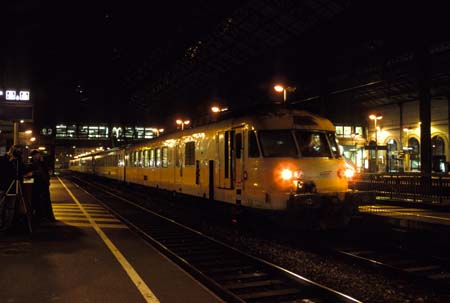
16	152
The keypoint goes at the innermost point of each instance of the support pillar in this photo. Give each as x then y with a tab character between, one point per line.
16	133
447	151
401	126
424	90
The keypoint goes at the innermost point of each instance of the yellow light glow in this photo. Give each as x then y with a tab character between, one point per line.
375	117
28	132
179	121
32	139
349	173
286	174
215	109
41	147
278	88
187	122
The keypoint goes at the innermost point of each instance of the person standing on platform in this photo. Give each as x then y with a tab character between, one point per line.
40	200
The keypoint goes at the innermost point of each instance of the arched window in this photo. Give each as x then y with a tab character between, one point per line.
438	146
392	159
414	151
438	151
392	146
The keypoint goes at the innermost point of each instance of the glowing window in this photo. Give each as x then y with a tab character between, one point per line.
152	158
165	157
158	157
347	131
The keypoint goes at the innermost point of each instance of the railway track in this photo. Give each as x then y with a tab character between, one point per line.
232	274
432	270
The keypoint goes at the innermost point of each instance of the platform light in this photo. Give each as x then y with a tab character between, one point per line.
158	131
182	123
41	148
281	89
28	132
22	121
278	88
217	109
32	139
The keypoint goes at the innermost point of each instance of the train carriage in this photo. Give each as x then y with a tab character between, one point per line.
283	161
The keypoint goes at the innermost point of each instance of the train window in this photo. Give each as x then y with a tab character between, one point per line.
253	151
277	143
238	145
189	153
337	152
152	158
146	158
313	144
165	157
158	157
136	158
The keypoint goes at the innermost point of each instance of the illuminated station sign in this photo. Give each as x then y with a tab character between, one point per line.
15	105
14	96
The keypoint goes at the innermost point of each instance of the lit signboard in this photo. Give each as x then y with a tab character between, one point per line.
15	105
12	95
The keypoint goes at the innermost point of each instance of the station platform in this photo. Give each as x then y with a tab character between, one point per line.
412	218
89	256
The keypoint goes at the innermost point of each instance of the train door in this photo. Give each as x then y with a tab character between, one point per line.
238	163
178	167
226	146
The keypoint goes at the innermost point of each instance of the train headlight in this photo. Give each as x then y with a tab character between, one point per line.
349	173
286	174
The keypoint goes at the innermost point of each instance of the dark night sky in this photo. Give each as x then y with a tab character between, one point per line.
77	55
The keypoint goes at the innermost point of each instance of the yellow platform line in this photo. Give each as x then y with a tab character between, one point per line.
84	218
88	225
145	291
81	214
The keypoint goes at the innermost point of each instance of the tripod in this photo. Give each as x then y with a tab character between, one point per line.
16	194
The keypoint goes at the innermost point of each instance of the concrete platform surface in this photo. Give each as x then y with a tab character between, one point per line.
409	217
88	256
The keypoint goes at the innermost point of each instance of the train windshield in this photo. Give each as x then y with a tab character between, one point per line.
277	143
335	147
313	144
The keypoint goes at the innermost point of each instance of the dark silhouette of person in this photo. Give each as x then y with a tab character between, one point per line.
12	170
40	201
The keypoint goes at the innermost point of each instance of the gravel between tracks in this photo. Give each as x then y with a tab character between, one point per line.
361	283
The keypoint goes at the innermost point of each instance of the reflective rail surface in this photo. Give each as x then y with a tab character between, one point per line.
429	189
230	273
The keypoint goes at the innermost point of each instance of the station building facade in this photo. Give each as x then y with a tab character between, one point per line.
394	145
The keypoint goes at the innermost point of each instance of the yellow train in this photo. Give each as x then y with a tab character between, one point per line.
282	162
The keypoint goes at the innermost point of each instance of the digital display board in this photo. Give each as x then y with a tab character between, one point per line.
15	105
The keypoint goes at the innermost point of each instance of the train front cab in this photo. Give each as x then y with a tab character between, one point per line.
264	168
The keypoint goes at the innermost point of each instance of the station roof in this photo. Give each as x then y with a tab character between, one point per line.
130	61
